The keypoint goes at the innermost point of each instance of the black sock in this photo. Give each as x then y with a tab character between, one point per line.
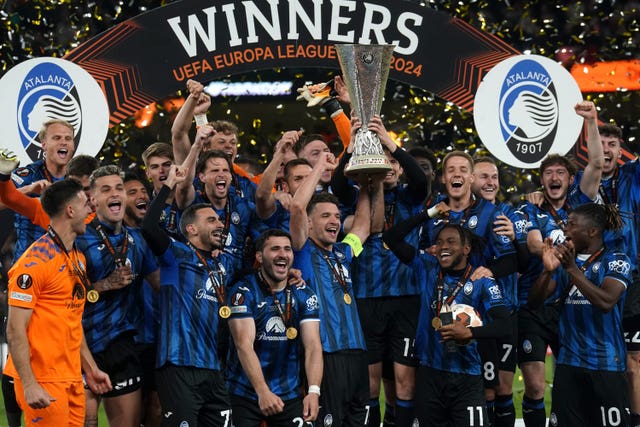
533	412
505	413
634	420
374	413
404	413
389	416
491	410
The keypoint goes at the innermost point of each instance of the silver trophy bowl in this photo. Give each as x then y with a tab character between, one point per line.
365	69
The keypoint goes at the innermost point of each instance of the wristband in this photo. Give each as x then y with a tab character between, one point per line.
315	389
201	119
433	212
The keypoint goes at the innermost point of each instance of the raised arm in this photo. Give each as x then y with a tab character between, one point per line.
196	103
265	199
185	192
154	235
593	172
418	182
298	223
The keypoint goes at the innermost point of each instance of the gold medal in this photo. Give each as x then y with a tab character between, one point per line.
93	295
292	333
347	299
224	312
436	323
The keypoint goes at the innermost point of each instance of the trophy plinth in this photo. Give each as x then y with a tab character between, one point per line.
365	69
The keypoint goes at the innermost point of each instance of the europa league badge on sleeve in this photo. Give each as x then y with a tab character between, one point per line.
524	110
365	69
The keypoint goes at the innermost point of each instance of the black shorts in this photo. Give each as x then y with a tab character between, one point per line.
583	397
449	399
389	326
631	328
9	395
537	330
147	354
247	413
121	361
498	354
631	315
193	396
632	298
345	389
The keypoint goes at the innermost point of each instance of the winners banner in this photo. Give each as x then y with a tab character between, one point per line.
153	55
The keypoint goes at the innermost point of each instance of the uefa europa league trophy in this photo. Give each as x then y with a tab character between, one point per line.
365	69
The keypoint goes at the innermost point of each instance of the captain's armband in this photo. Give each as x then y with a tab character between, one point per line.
355	243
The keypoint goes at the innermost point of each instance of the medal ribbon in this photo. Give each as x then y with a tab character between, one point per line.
459	285
554	214
614	190
336	273
120	259
389	214
218	282
82	275
466	212
285	314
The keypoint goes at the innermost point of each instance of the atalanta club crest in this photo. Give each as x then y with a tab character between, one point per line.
528	111
41	89
47	92
524	110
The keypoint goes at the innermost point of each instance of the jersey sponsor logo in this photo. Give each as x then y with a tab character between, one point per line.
494	291
275	325
575	297
468	288
203	294
527	347
521	226
473	222
438	222
168	414
273	331
24	281
524	110
62	267
557	236
620	266
21	297
262	304
312	303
